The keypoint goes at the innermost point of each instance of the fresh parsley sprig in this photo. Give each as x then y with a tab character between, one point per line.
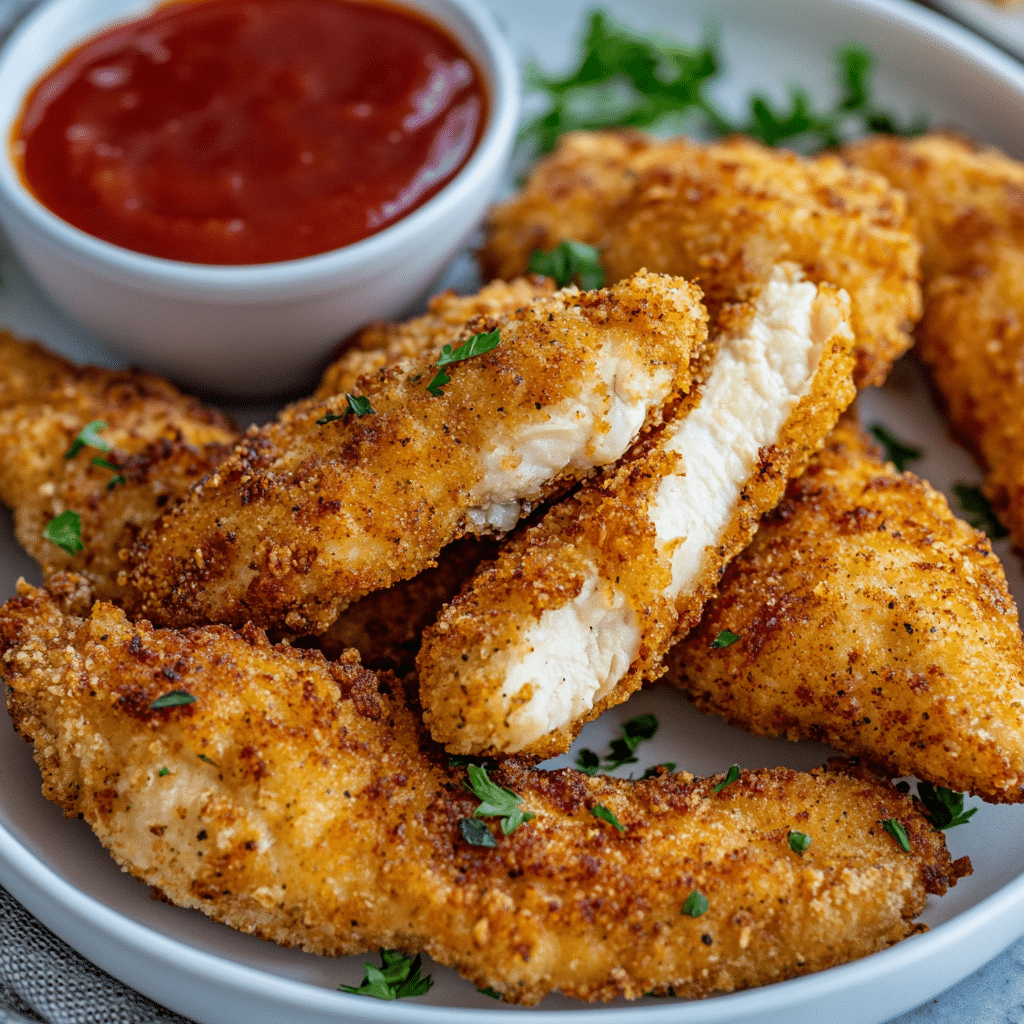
398	977
65	530
358	404
174	699
496	802
896	829
977	510
799	842
695	905
898	452
944	807
726	638
602	812
475	346
569	262
476	833
88	437
730	777
117	478
623	750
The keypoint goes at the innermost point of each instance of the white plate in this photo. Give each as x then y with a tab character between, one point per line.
216	976
1003	25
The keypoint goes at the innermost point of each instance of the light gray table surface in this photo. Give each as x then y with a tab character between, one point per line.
992	995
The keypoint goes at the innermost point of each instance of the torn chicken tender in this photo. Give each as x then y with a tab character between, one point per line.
384	344
969	205
872	619
160	440
298	801
724	214
579	610
309	515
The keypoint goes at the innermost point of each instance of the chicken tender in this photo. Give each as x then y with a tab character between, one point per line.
385	344
296	799
724	214
576	613
325	505
872	619
969	205
160	442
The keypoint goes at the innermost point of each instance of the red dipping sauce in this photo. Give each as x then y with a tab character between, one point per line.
251	131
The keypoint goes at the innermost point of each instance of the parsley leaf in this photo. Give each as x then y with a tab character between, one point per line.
65	531
208	760
623	750
799	841
978	510
475	832
569	261
895	828
602	812
117	478
173	699
398	977
588	762
653	773
496	802
730	777
489	992
898	452
944	807
163	772
724	639
88	438
695	905
475	346
355	403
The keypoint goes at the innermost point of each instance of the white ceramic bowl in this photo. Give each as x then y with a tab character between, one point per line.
258	329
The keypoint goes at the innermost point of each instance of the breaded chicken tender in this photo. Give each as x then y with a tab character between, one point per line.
578	611
384	344
870	618
723	214
296	799
160	442
326	505
969	205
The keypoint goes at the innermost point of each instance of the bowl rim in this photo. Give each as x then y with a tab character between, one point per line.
470	23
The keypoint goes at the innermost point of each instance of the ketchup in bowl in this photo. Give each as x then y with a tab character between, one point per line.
251	131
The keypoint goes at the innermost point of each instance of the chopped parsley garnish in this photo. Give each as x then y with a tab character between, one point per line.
898	452
117	478
730	777
653	773
489	992
475	832
898	832
799	841
602	812
208	760
978	512
623	750
173	699
569	262
398	977
695	905
163	772
475	346
588	762
496	802
724	639
354	403
627	79
944	807
88	438
65	531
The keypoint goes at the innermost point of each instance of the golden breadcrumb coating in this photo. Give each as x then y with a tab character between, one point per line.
308	515
296	799
579	610
969	205
160	440
872	619
723	214
384	344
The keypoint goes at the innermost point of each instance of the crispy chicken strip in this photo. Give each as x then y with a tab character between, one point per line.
576	613
385	344
160	441
309	515
297	800
969	206
872	619
724	214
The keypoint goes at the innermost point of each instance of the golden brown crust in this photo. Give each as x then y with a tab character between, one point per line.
162	441
307	516
463	670
323	819
969	205
723	215
871	619
447	314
